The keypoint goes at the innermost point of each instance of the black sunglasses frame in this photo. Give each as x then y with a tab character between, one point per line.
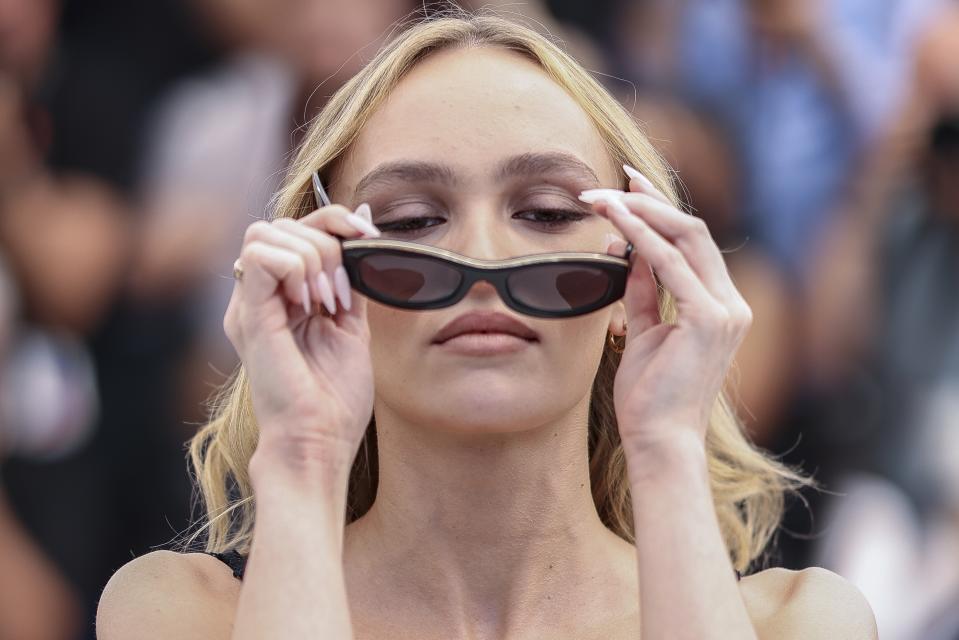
473	270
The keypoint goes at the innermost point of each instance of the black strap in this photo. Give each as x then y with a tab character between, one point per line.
233	559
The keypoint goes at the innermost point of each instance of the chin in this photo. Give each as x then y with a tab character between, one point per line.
488	413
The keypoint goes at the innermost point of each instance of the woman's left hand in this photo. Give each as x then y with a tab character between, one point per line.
670	374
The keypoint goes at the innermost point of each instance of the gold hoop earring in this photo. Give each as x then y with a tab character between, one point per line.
614	346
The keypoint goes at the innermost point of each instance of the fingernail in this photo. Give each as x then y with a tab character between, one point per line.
595	195
342	283
633	173
326	292
364	212
306	298
360	224
609	239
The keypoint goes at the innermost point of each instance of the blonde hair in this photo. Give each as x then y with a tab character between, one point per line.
748	486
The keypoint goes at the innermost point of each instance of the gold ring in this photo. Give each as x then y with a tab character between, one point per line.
237	270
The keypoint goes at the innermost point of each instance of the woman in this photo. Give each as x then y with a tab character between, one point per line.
499	491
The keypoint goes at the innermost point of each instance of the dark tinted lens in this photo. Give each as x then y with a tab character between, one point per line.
559	287
407	278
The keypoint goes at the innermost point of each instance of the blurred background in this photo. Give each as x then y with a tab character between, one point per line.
818	138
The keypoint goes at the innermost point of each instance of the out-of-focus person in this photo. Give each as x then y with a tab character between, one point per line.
901	401
806	86
77	405
63	238
883	332
36	600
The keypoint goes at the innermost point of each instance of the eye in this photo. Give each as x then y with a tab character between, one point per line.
408	225
553	219
548	219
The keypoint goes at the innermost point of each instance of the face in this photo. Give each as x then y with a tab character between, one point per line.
503	143
328	40
27	30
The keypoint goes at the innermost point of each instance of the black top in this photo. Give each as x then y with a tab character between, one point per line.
237	562
233	559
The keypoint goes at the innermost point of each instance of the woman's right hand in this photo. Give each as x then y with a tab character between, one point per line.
309	372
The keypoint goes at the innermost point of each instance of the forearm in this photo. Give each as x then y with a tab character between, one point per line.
294	585
687	585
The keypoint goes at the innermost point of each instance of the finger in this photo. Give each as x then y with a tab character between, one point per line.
267	267
615	246
338	220
667	261
276	235
354	318
330	259
691	235
644	291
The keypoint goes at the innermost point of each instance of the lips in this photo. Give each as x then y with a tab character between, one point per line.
484	322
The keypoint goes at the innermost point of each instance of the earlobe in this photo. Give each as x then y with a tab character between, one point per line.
617	320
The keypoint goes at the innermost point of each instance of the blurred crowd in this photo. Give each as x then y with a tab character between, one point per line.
819	139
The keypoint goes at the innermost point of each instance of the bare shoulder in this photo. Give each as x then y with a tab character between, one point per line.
811	603
165	594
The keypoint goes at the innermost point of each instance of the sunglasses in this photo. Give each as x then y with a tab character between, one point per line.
410	275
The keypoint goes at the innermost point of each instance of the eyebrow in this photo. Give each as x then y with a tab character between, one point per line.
524	165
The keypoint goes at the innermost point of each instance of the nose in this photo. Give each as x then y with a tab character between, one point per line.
483	235
482	293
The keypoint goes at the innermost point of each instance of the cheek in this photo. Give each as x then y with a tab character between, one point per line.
572	355
397	338
582	330
576	344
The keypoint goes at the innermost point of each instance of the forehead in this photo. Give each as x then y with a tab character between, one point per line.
470	108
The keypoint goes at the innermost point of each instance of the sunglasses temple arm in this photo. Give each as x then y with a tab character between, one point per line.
629	255
322	200
319	193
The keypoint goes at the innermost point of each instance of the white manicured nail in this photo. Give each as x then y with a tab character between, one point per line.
326	292
360	224
342	284
595	195
609	239
364	212
633	173
306	298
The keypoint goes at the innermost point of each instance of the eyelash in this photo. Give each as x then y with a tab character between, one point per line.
565	216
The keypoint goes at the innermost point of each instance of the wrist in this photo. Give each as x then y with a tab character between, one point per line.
681	455
315	469
295	493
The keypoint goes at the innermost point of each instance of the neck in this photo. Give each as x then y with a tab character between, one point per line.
493	534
